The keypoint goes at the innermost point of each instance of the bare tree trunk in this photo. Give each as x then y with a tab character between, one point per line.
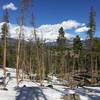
18	53
30	67
38	59
43	66
17	60
92	74
96	67
73	71
62	67
4	54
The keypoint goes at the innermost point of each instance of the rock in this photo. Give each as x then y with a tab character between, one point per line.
16	88
71	97
50	86
5	89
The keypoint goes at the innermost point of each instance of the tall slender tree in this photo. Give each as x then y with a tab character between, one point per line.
5	30
61	40
24	5
91	32
77	47
77	44
61	43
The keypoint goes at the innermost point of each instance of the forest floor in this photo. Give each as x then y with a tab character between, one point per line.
28	90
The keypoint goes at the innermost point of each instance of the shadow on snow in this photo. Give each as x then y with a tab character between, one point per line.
91	94
30	93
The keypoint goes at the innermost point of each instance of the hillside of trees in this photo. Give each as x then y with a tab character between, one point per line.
79	61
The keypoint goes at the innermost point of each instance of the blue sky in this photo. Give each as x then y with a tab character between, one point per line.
56	11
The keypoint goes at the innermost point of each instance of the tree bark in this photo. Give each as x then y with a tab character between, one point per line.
4	54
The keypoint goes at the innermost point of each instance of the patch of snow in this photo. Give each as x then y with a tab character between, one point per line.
84	97
71	92
55	93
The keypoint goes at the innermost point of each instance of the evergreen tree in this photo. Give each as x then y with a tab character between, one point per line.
91	25
61	41
77	44
90	33
77	47
4	38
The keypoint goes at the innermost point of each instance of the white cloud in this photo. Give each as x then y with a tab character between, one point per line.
70	24
10	6
82	29
65	24
13	30
48	32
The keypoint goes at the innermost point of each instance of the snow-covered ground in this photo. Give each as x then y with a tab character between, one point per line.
32	91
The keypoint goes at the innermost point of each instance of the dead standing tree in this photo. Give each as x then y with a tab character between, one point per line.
38	51
30	59
24	4
18	53
19	31
39	44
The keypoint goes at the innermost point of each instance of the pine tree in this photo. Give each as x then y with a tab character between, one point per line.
91	25
61	43
77	47
90	33
4	38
